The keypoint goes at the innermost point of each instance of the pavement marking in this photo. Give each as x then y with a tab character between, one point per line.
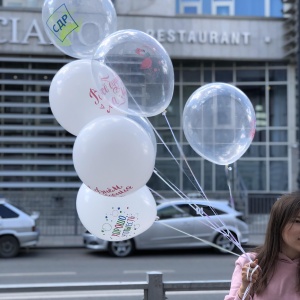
38	274
95	294
73	295
145	271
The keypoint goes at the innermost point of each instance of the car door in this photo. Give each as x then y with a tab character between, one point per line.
208	217
169	231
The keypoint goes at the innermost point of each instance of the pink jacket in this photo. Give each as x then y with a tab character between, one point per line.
282	285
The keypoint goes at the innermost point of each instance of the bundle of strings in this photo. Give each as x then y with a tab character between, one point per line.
250	272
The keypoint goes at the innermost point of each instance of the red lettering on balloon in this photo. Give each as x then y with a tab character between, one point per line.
113	191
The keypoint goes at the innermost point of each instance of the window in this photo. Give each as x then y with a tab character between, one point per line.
223	7
6	213
174	211
189	6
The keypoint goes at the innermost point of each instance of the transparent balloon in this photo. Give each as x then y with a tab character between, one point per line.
77	27
115	218
75	99
144	67
114	156
219	122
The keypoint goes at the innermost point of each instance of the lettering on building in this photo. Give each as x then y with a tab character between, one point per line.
200	37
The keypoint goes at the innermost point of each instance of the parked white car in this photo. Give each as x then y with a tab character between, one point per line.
184	216
17	229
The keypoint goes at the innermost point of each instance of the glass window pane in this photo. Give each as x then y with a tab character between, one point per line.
188	90
191	75
277	75
278	176
278	105
169	172
278	136
248	64
176	75
6	213
224	75
189	183
257	96
167	136
190	10
278	151
189	152
255	151
221	179
191	63
173	113
253	174
164	150
207	76
223	11
208	171
223	63
250	75
260	136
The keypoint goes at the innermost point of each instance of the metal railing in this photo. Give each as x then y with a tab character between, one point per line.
154	288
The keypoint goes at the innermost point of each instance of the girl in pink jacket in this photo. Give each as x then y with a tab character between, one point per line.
272	271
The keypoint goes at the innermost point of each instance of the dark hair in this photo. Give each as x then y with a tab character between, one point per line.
284	210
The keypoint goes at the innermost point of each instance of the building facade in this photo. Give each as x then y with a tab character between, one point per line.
233	41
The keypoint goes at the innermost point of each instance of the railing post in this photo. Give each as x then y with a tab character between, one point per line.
155	286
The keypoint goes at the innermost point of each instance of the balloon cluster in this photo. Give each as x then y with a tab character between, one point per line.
103	98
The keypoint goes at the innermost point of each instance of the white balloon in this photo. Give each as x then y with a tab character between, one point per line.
115	218
75	99
145	123
114	156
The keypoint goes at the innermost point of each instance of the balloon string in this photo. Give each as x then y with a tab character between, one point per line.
197	238
183	155
207	220
172	155
193	206
228	234
185	160
247	291
227	169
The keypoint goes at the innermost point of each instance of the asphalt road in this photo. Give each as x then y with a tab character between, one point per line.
79	265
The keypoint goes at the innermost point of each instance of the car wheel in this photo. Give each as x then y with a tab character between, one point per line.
121	248
223	242
9	246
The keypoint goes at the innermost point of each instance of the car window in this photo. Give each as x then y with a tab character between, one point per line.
174	211
206	210
6	213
